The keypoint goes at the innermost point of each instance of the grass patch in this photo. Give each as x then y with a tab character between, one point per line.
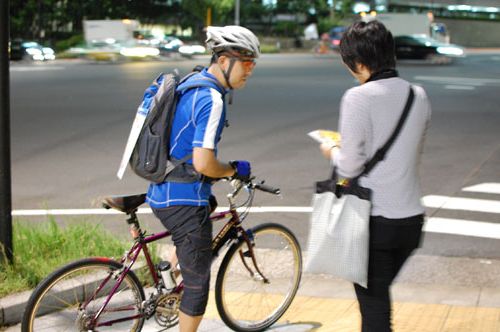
40	249
268	48
67	55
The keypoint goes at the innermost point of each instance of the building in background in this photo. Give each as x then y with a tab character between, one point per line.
469	9
472	23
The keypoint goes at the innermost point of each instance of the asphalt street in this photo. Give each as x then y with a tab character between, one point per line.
70	121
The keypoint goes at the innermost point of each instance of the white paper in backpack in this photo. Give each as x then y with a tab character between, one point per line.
139	120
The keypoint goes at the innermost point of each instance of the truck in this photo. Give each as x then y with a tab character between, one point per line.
412	24
109	31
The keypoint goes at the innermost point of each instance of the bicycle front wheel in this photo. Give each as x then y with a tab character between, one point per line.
70	298
248	301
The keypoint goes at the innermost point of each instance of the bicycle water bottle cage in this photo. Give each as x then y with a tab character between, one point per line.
126	203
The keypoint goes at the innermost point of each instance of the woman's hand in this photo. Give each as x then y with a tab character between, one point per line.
327	149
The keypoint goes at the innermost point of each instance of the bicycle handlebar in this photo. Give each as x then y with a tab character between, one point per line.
238	184
268	189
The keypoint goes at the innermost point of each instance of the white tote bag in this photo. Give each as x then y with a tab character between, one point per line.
339	235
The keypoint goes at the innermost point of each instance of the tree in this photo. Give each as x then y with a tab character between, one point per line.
52	19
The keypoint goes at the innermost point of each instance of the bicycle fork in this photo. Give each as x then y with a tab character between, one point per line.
249	240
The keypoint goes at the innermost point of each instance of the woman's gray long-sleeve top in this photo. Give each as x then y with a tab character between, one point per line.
368	116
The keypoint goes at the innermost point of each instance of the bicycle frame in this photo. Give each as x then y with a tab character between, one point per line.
230	231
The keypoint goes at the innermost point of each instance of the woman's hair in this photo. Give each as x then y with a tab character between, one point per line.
370	44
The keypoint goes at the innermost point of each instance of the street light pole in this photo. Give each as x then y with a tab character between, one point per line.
237	12
5	180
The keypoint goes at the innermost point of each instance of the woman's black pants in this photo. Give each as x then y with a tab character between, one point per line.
391	243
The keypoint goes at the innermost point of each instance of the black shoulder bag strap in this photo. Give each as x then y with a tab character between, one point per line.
380	154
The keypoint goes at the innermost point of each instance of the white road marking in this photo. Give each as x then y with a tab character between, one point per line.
459	87
77	212
72	212
463	204
433	225
35	68
487	187
461	80
462	227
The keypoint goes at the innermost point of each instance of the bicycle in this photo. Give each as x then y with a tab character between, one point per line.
255	284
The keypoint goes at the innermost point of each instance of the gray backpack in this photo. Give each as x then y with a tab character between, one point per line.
150	158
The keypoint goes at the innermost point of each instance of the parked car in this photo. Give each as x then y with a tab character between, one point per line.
426	48
170	44
173	45
30	50
336	34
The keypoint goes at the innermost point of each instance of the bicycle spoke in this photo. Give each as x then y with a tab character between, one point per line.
247	303
71	298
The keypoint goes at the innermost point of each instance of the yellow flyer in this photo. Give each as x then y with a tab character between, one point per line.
325	136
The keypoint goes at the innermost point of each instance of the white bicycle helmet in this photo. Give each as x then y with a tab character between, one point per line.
233	37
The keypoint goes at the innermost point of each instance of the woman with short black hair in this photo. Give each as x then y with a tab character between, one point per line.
369	114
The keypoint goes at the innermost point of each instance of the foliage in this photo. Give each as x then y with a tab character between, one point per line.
46	19
40	250
49	21
287	28
69	42
327	23
341	17
269	48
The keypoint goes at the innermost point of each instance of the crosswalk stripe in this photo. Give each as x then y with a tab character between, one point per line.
462	227
487	188
463	204
459	87
461	80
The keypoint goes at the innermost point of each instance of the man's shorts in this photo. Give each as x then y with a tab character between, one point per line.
191	230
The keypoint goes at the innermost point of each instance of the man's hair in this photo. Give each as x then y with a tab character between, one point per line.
369	44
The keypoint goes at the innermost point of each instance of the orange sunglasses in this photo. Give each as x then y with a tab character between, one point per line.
248	63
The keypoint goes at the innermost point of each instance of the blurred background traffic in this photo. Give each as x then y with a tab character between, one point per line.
435	31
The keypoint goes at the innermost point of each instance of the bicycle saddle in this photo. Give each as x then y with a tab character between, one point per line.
124	203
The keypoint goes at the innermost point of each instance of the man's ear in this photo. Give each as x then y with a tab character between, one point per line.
222	60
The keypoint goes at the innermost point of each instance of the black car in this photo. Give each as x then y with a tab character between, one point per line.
30	50
425	48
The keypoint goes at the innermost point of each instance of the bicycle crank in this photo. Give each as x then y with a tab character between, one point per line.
167	310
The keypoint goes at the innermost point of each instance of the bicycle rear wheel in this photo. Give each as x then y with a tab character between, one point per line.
69	299
244	300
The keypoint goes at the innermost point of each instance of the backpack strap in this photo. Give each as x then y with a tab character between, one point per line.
177	169
190	81
195	80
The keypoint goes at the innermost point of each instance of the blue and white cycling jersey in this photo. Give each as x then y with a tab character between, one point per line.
198	122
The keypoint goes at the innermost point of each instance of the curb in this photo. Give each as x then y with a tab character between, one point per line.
12	308
483	50
321	286
408	288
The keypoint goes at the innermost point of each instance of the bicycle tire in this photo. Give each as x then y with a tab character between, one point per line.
55	303
244	302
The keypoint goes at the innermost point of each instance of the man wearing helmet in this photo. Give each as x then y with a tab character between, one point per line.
233	48
183	206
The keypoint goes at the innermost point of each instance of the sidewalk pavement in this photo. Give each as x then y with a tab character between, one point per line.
325	304
482	50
